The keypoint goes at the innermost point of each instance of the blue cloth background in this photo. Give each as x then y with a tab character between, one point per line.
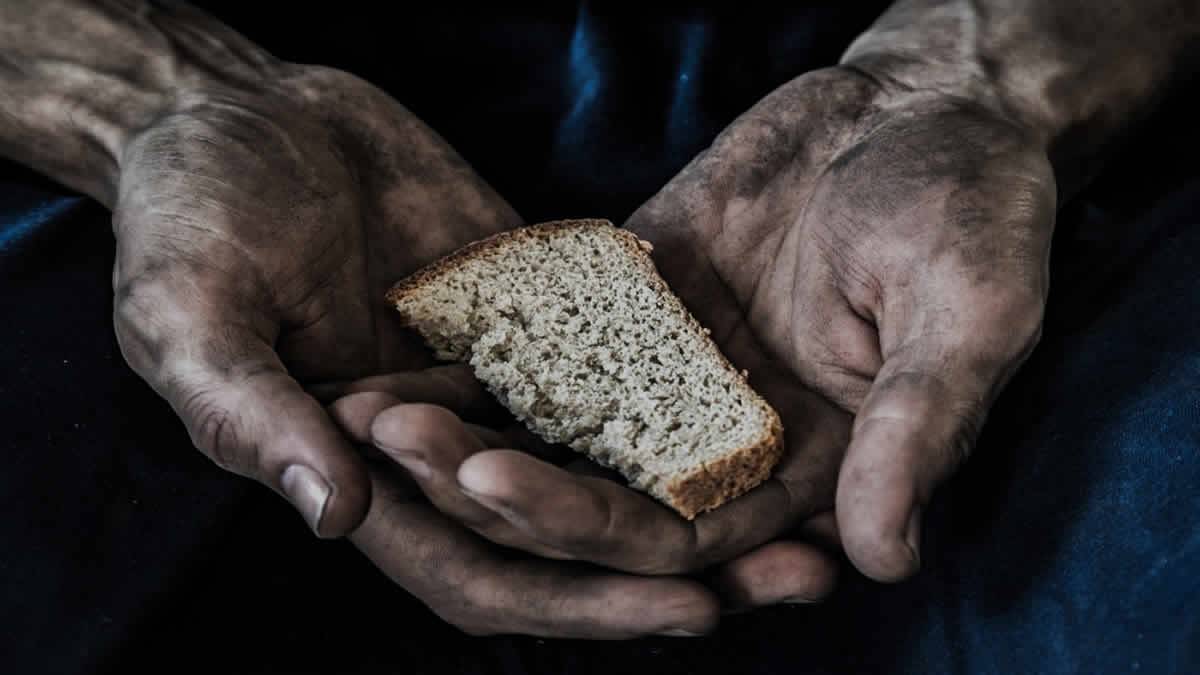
1069	544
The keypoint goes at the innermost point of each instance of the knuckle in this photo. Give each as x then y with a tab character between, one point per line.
605	535
606	528
832	375
138	319
217	431
967	424
754	132
710	541
314	83
683	554
1004	326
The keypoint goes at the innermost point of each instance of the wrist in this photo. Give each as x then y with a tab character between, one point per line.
86	80
1074	78
901	70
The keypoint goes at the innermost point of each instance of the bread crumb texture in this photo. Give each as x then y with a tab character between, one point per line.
573	330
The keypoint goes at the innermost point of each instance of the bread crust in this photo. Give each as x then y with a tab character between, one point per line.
704	488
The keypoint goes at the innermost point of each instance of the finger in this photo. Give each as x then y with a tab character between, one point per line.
354	413
450	386
914	429
468	583
779	572
606	523
601	521
431	443
239	404
588	518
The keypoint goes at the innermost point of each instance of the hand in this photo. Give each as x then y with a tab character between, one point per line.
560	505
863	250
479	587
256	239
258	226
888	247
261	209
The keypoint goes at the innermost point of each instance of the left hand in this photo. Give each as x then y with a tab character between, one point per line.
888	247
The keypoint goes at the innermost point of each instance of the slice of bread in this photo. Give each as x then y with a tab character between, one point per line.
571	327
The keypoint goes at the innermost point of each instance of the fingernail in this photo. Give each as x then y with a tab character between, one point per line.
474	481
500	507
486	500
308	492
412	461
679	632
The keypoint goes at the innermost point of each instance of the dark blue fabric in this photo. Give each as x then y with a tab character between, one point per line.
1069	543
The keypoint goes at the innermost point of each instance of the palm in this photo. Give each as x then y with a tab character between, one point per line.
839	237
725	233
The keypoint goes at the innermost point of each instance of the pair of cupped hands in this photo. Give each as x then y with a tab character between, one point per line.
874	254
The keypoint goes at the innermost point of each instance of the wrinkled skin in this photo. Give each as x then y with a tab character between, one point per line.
873	252
257	230
887	249
876	257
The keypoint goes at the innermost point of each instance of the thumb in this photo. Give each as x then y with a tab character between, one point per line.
915	427
244	411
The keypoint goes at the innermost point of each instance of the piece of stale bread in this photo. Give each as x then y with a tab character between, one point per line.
569	324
